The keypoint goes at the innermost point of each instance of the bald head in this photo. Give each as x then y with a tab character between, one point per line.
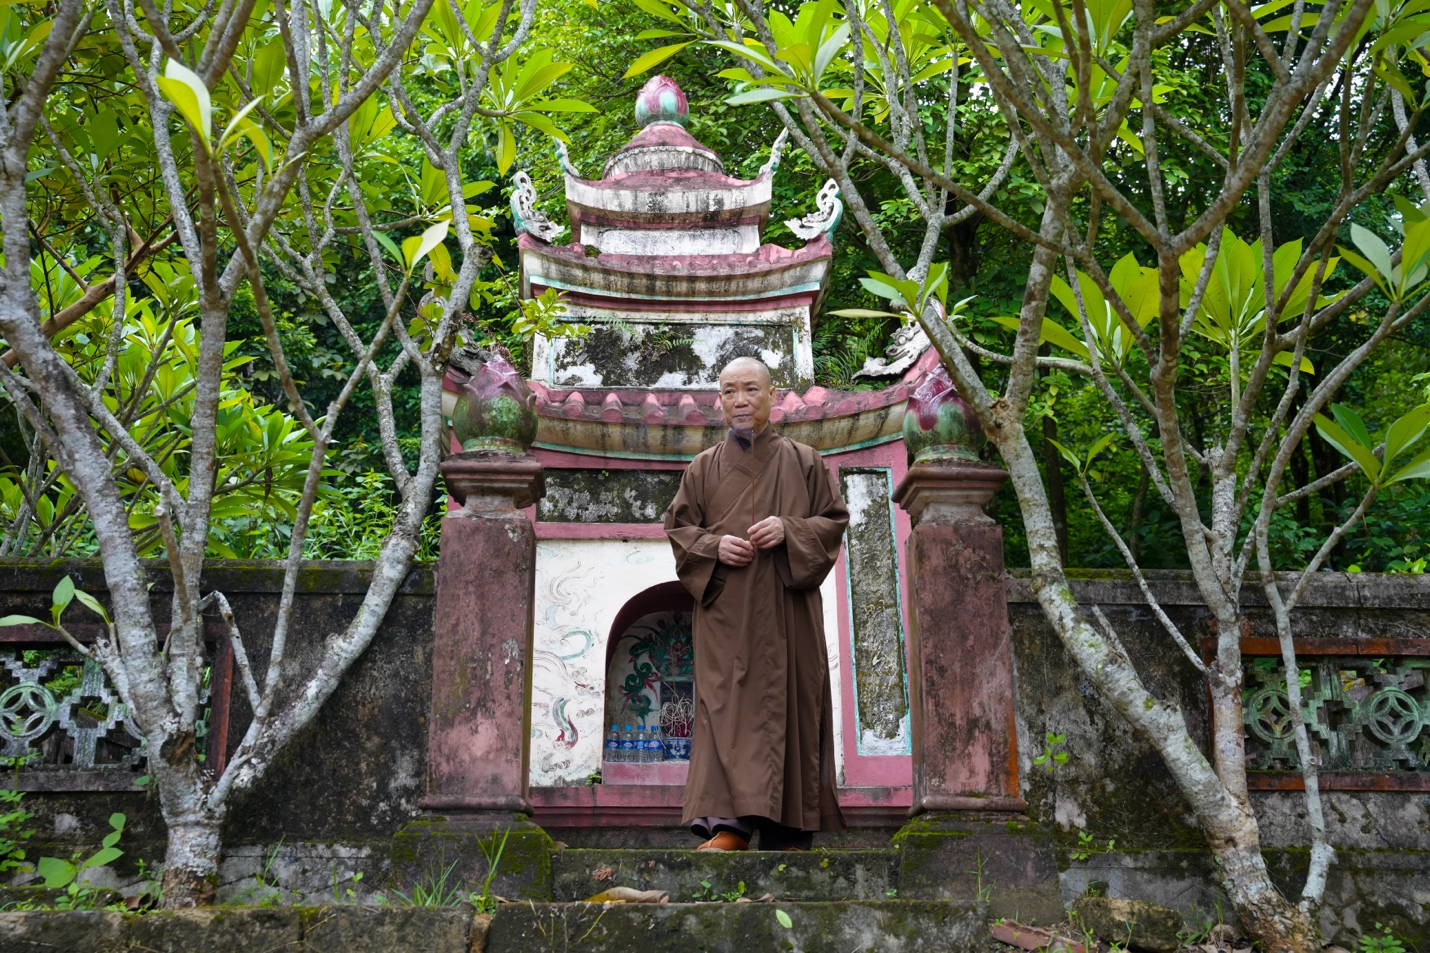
749	363
746	395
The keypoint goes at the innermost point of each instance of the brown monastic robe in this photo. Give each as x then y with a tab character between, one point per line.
763	739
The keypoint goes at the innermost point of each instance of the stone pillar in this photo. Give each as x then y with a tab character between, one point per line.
479	737
959	654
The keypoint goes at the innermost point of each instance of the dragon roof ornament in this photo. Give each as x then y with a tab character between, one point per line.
829	209
526	217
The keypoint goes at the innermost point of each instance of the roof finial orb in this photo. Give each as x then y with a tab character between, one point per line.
661	100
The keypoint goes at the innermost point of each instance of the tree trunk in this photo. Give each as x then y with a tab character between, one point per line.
191	862
1057	498
963	250
1265	914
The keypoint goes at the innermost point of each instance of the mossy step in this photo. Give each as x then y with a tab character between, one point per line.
882	926
714	875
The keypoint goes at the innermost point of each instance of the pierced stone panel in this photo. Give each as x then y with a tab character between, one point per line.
880	686
57	709
1364	714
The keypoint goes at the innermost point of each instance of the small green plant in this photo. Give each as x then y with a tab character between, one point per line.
1385	942
981	890
349	895
1087	846
484	901
264	892
13	831
708	894
1051	757
438	890
892	893
64	874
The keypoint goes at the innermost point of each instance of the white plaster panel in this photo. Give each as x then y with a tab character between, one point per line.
715	240
581	584
829	592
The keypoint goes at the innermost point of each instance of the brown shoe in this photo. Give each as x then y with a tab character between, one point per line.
725	840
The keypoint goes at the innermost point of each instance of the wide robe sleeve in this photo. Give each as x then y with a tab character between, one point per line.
696	549
811	545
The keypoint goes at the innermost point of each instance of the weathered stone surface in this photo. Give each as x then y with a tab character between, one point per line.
479	741
607	496
341	929
425	850
216	930
93	931
961	670
1138	924
895	926
387	929
878	658
821	875
1008	861
670	356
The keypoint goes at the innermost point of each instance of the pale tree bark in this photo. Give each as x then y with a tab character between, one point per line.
226	230
1063	140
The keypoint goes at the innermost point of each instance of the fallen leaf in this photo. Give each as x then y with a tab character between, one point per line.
629	895
602	873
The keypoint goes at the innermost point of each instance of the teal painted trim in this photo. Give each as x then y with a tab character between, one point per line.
905	725
641	455
808	286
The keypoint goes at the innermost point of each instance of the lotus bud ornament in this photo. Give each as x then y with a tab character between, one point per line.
938	425
495	409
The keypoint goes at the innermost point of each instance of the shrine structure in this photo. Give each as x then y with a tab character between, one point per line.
668	269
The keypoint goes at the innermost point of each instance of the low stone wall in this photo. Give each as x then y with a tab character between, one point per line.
331	929
1115	790
329	808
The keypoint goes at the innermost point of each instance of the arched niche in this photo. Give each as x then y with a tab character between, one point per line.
650	666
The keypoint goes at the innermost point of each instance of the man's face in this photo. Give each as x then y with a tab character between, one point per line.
746	396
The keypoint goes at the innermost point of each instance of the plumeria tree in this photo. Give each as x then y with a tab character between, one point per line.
1214	293
230	145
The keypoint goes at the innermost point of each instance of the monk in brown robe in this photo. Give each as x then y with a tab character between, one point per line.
756	527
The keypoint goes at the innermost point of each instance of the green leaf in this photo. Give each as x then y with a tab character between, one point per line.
63	595
1353	425
784	919
183	87
57	873
116	821
1098	447
255	134
654	58
107	855
1360	263
864	313
416	248
506	149
1405	432
20	620
1416	469
1347	445
1374	249
389	244
91	603
1067	455
765	95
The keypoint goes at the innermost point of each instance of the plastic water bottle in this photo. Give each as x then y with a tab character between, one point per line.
657	750
642	745
628	744
613	744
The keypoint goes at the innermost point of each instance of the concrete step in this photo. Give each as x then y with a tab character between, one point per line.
881	926
820	875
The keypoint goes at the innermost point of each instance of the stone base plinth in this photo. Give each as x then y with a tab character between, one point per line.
1001	858
462	848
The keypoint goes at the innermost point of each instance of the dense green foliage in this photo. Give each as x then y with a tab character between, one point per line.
265	455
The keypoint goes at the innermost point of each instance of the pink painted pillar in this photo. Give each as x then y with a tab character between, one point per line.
479	737
959	655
